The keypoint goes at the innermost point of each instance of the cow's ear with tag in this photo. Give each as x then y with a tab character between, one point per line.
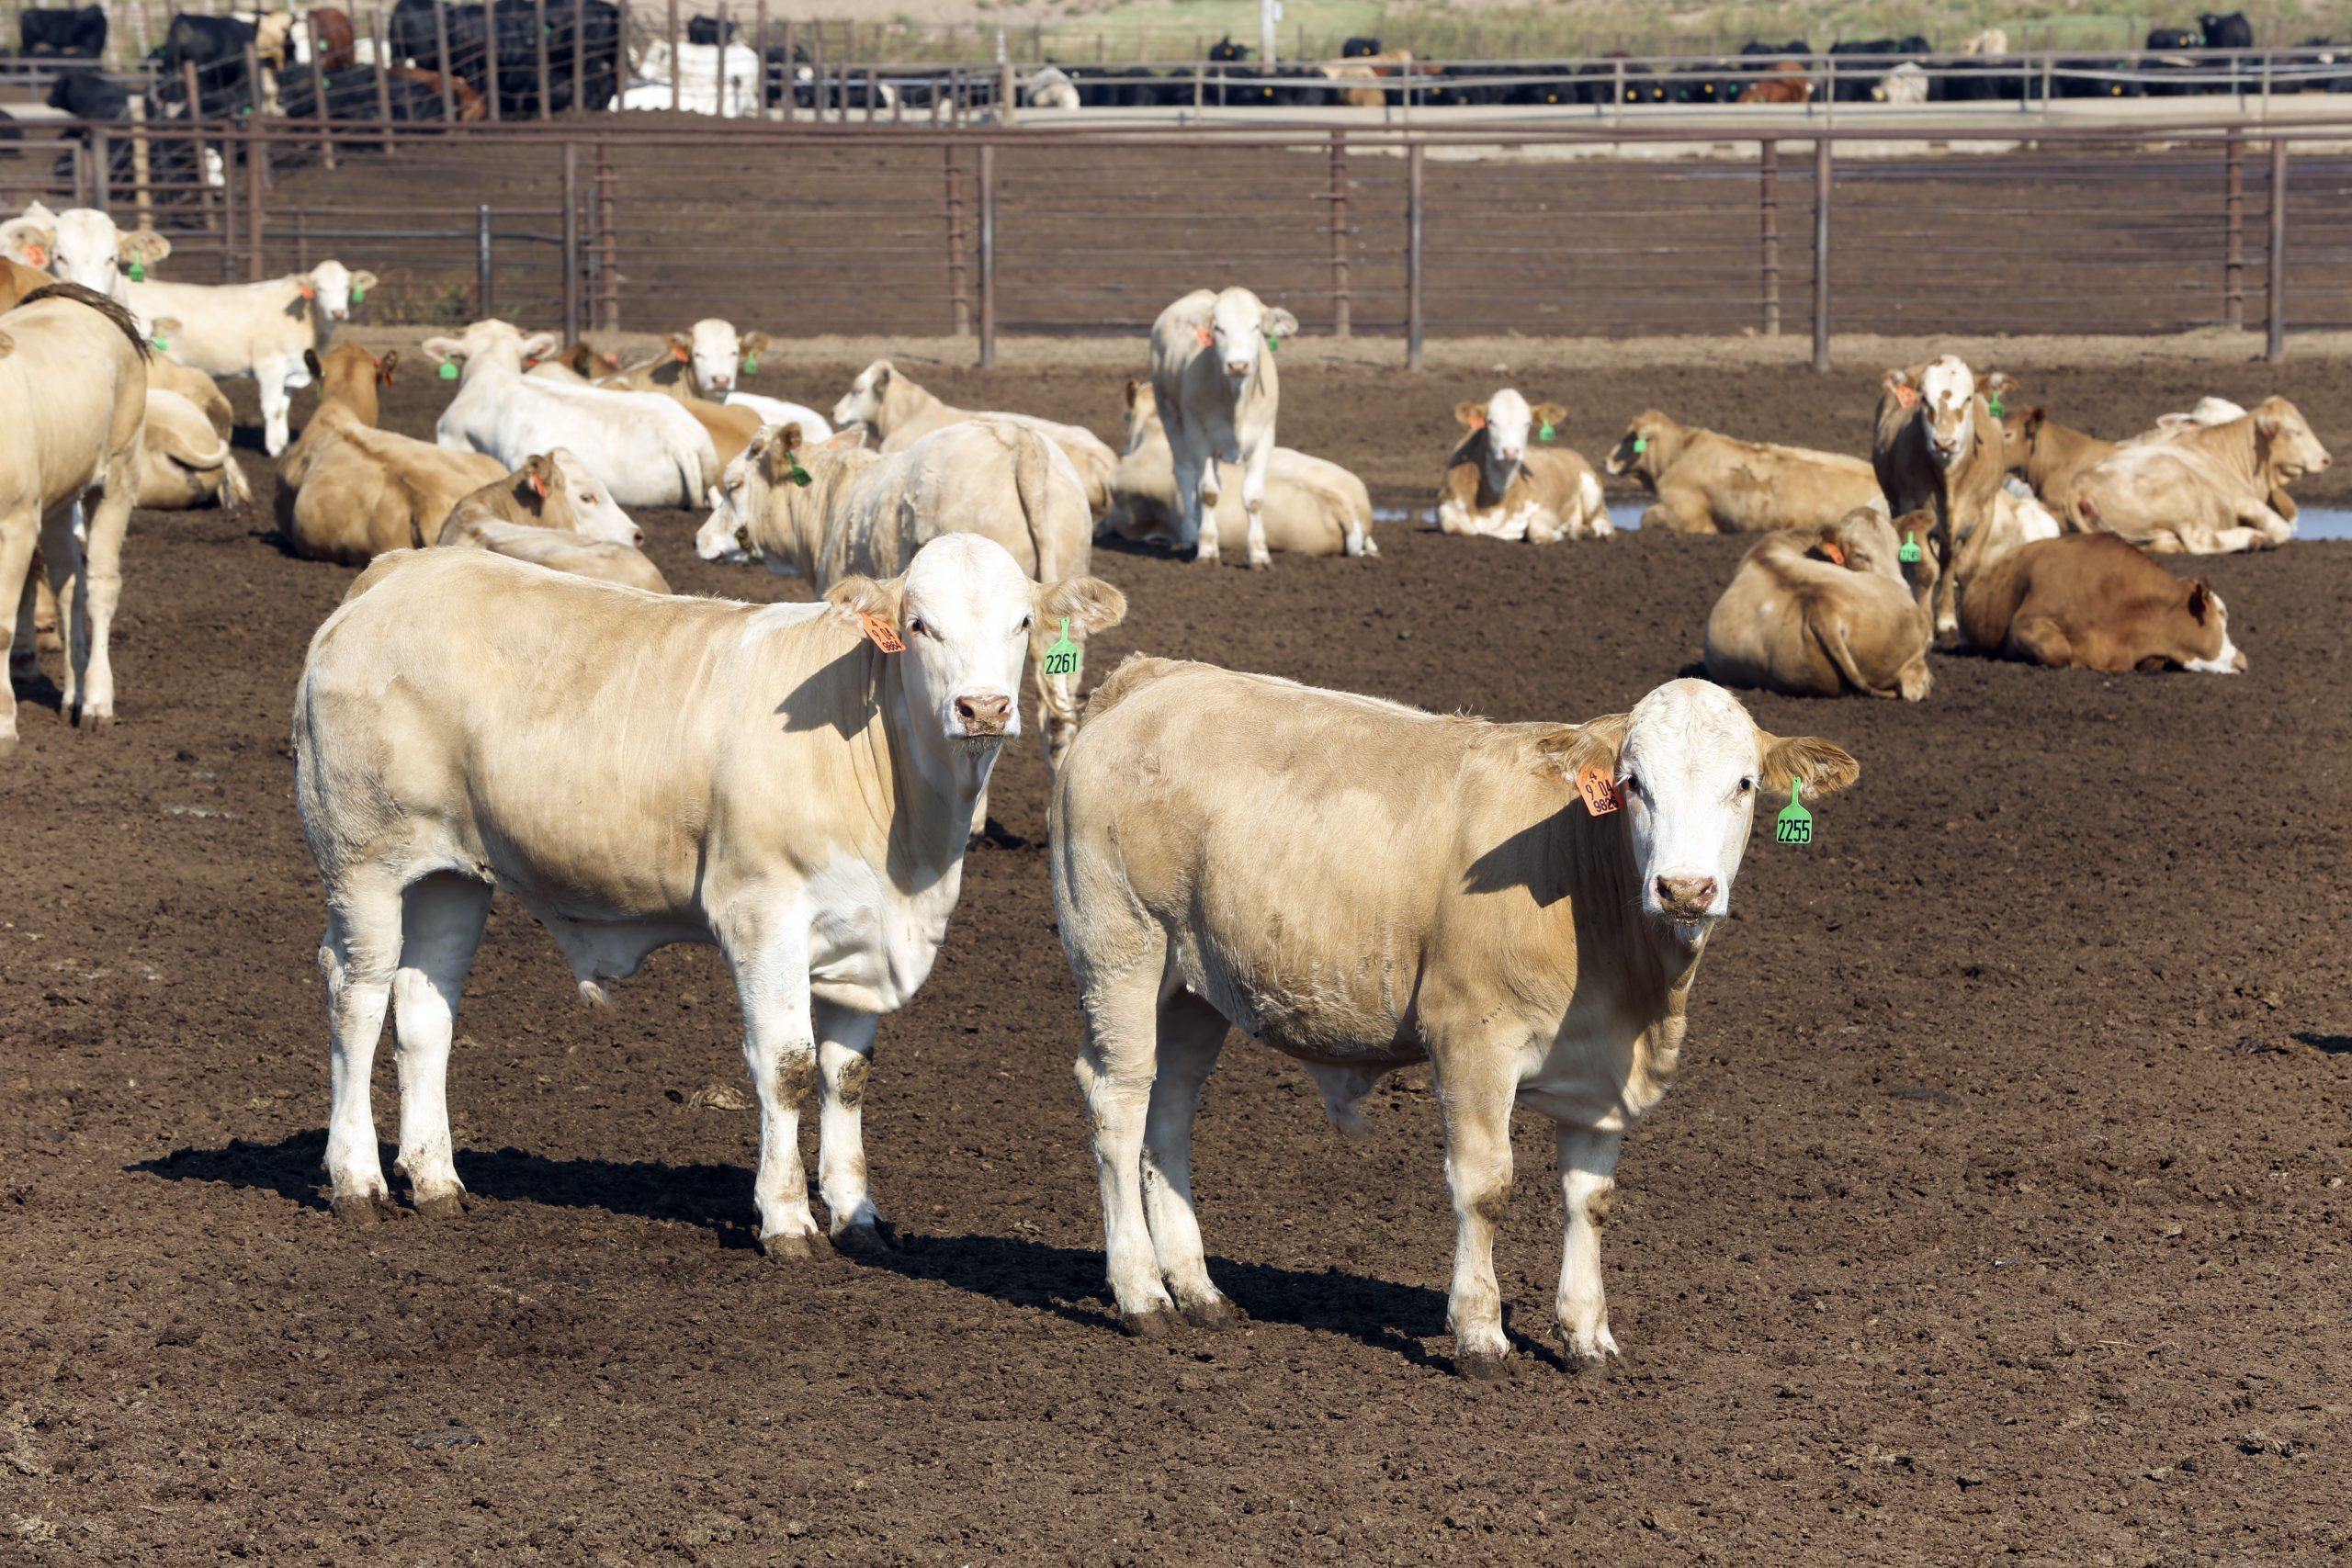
1572	748
385	366
1203	333
863	600
142	245
445	350
1472	415
1279	323
1087	601
27	240
1821	767
681	347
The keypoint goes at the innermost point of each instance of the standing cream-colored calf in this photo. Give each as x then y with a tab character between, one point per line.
885	401
1360	885
73	381
1213	371
1314	507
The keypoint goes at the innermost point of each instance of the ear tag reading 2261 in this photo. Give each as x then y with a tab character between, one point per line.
1600	790
1062	658
1910	554
1794	825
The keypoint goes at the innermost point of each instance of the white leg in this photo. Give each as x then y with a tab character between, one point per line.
102	579
358	955
1474	1094
60	553
770	956
441	920
1588	1181
845	1058
1196	523
1191	1035
16	571
270	377
1253	502
1114	1073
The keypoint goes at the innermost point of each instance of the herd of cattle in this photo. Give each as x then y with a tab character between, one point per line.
1519	904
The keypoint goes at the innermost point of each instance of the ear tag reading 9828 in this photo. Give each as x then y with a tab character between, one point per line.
1794	825
1600	790
1910	554
1062	658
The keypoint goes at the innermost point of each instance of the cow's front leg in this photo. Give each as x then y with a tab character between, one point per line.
845	1058
1588	1182
270	377
769	953
1475	1089
1253	502
1207	491
61	555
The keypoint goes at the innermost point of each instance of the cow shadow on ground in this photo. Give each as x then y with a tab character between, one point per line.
1017	1270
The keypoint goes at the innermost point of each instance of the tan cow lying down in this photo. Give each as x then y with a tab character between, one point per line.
165	374
2099	603
1823	615
556	549
1461	906
1936	446
358	491
2206	491
1498	485
553	512
184	463
1707	483
2049	456
865	513
901	413
637	771
1314	507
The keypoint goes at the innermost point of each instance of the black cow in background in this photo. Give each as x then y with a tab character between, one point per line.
216	47
1224	50
500	44
2233	31
1360	49
63	33
704	30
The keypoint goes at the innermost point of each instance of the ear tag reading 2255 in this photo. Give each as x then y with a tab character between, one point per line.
1062	658
1600	790
1910	554
1794	825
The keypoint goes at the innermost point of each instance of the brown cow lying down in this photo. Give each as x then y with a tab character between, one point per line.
183	462
1313	507
2206	491
1823	615
1500	485
1785	82
1707	483
349	492
2049	456
2100	603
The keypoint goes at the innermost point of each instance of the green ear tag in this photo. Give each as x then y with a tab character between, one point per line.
1910	552
1061	659
751	365
163	347
359	296
1273	343
448	370
1641	444
796	474
1993	407
137	272
1544	433
1794	825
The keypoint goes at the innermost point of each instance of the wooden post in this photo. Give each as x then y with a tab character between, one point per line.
1413	161
1768	200
319	94
608	274
817	84
959	295
1007	106
1342	304
987	255
257	167
97	156
383	80
579	58
301	241
490	65
677	69
1821	178
760	48
870	90
484	299
252	82
2233	230
571	242
539	14
228	226
142	192
449	67
2275	349
791	70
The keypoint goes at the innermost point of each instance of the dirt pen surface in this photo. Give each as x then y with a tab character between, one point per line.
2000	1211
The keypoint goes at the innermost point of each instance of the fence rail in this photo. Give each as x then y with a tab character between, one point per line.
1419	232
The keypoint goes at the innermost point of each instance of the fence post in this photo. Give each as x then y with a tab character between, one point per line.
1342	305
319	94
482	262
539	14
449	67
571	242
579	58
987	255
257	167
383	81
1821	178
101	168
608	271
1413	255
677	65
2233	230
1767	165
2276	348
141	167
959	293
301	241
871	89
791	70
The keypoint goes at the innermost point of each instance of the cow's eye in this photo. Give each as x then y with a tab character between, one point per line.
1748	787
916	626
1028	621
1630	784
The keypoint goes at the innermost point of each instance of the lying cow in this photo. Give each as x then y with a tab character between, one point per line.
2047	456
1314	507
168	374
434	759
1822	615
717	358
1530	950
2205	492
901	413
1213	372
1499	485
357	491
1707	483
554	492
2097	602
184	463
1937	447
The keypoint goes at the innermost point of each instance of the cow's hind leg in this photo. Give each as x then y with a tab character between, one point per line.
16	571
1253	502
1114	1072
102	579
1191	1035
441	921
1588	1181
845	1058
1476	1091
358	955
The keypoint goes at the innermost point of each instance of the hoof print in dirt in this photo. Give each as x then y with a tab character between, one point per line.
1157	1324
1217	1312
786	1247
1484	1366
864	1242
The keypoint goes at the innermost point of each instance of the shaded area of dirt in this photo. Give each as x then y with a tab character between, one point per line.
2000	1209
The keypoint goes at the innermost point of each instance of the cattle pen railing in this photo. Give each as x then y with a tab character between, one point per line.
587	225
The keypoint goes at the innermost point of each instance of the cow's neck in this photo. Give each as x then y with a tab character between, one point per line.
1664	449
2236	446
903	405
506	359
1491	488
933	784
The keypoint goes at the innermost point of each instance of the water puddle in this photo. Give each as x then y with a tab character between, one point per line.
2315	523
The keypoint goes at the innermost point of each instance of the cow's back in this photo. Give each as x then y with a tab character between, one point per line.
77	391
1751	487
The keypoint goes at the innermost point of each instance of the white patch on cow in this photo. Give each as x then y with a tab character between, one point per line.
871	945
715	354
1237	323
1510	425
1596	510
2229	662
1688	770
1948	405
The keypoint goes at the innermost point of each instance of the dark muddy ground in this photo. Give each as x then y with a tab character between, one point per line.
1999	1212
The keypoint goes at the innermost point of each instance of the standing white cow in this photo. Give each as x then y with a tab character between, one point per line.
768	779
645	447
1213	371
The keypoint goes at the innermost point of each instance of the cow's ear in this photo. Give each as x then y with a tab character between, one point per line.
1550	414
142	245
859	598
309	363
362	281
681	347
1280	322
787	437
881	370
1090	602
30	241
444	349
2033	418
539	476
756	343
2201	599
539	346
1133	386
1893	378
1573	748
850	440
1198	327
1821	767
581	358
2002	385
385	366
1472	415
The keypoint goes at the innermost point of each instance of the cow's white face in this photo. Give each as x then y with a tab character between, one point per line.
493	340
715	351
724	535
1511	425
1948	407
861	404
89	250
1237	327
595	514
2288	442
332	284
1689	771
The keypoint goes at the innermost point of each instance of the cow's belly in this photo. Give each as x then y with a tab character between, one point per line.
871	946
1332	1007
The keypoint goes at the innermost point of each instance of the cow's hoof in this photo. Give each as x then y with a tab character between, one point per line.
785	1247
1217	1312
1204	557
444	1206
1158	1323
364	1208
95	721
1486	1366
863	1241
1260	563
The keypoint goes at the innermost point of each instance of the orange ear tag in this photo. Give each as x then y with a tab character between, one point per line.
682	355
37	256
878	632
1600	790
1479	421
1204	337
539	487
309	292
1906	397
1835	553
